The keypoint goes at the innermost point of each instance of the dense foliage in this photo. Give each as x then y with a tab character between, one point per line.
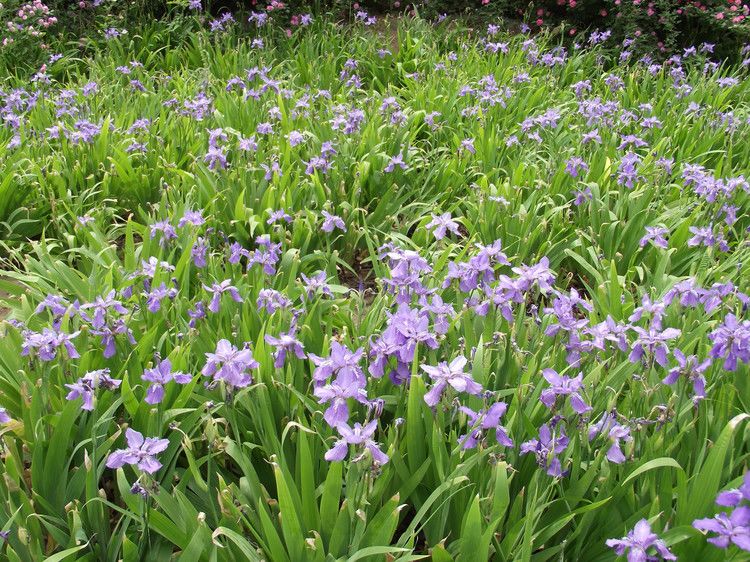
347	294
32	29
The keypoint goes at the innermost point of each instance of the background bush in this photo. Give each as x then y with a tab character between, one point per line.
662	26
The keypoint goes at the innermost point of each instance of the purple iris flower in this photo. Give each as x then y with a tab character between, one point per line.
272	300
412	328
482	421
704	235
140	452
611	331
394	161
274	168
149	268
616	433
389	344
248	144
285	343
441	224
655	235
218	289
197	313
631	140
216	157
452	374
567	309
336	395
265	129
167	231
653	308
357	435
731	342
198	252
101	306
732	498
627	171
341	363
690	368
4	417
467	145
317	163
230	365
55	304
267	255
638	542
109	333
733	528
653	341
442	312
582	195
236	252
563	386
279	215
574	166
407	268
295	138
158	294
86	386
192	217
551	443
47	342
690	294
332	221
539	274
315	283
160	375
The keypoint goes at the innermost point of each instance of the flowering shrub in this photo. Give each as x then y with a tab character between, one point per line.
25	26
330	295
664	24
